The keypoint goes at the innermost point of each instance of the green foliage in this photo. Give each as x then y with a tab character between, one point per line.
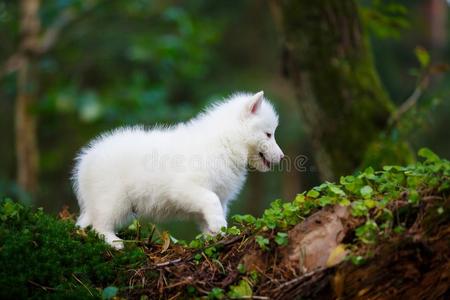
367	233
385	18
262	242
368	193
242	290
423	57
110	292
281	238
41	255
216	293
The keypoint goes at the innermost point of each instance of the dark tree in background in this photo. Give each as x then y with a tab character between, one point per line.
26	142
328	59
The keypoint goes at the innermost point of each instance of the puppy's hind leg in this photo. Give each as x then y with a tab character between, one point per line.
109	215
83	220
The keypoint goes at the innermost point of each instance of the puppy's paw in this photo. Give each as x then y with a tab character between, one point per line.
118	245
114	241
215	225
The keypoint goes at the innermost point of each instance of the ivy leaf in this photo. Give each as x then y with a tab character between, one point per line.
344	202
413	197
262	242
337	190
242	290
300	198
313	194
367	233
281	238
369	203
366	191
429	155
109	292
216	293
422	56
241	268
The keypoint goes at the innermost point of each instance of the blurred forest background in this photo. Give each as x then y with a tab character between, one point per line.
102	64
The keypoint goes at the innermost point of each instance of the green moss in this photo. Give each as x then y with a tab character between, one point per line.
41	255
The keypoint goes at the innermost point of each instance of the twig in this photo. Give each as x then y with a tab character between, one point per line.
65	18
83	284
427	198
45	288
11	65
176	296
298	279
48	40
252	297
187	280
171	262
411	101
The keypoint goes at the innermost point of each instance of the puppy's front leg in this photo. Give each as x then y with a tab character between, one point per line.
206	204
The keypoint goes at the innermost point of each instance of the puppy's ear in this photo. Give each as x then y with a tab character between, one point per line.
255	102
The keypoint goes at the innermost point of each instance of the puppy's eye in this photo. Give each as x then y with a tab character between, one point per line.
269	135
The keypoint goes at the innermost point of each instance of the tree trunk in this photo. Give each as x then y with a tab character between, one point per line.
327	58
26	144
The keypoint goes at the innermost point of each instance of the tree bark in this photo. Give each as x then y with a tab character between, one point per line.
26	141
327	58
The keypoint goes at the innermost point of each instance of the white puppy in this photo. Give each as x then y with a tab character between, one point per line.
192	169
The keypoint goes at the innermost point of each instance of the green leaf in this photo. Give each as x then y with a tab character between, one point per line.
210	251
390	168
399	229
195	244
366	191
300	198
262	242
429	155
198	257
233	230
413	197
281	238
344	202
241	268
357	260
216	293
367	233
109	292
191	290
313	194
337	190
422	56
249	219
243	289
359	209
325	200
369	203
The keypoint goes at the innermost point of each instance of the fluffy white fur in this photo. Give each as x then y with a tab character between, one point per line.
190	170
